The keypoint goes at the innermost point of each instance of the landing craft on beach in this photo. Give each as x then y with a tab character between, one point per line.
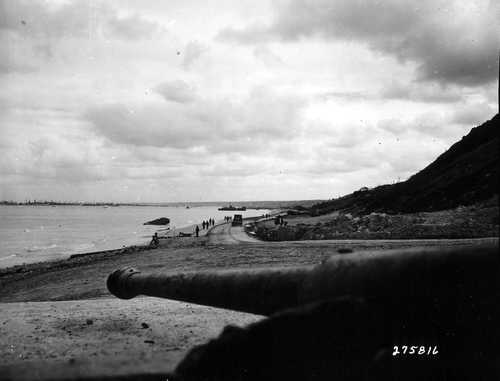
158	221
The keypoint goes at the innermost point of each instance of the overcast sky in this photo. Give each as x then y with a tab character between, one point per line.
180	100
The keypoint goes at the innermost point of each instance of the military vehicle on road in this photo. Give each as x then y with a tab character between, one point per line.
237	220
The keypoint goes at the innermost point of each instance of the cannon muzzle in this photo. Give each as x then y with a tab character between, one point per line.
259	292
461	273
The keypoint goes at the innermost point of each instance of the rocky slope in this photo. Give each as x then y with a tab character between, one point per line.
480	220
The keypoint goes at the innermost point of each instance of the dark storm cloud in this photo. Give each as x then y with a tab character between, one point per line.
74	19
447	43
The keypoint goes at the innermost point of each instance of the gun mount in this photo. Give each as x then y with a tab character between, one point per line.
406	275
413	315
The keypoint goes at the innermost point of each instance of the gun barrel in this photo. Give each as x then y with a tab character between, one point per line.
435	274
259	292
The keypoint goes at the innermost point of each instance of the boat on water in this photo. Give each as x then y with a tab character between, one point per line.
230	207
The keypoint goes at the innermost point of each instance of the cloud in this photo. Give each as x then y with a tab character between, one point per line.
14	55
176	91
223	125
52	157
445	126
239	168
411	91
344	135
9	65
132	27
73	19
152	125
394	126
345	95
428	123
78	117
449	42
473	114
251	34
335	166
425	93
375	159
192	51
266	55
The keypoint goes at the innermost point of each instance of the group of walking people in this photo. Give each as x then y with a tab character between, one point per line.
208	223
205	225
227	218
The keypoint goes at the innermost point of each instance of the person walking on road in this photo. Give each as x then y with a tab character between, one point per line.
197	231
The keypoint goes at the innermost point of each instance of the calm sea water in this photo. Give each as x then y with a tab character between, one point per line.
40	233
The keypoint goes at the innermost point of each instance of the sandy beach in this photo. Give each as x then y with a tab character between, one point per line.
61	315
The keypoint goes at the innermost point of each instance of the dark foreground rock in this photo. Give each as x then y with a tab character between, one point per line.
158	221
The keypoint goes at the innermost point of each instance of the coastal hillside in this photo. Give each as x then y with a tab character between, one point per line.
466	174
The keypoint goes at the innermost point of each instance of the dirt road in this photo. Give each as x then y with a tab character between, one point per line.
224	234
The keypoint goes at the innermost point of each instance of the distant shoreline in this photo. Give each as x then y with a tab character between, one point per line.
256	205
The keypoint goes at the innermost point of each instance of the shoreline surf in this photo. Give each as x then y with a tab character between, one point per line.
43	233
